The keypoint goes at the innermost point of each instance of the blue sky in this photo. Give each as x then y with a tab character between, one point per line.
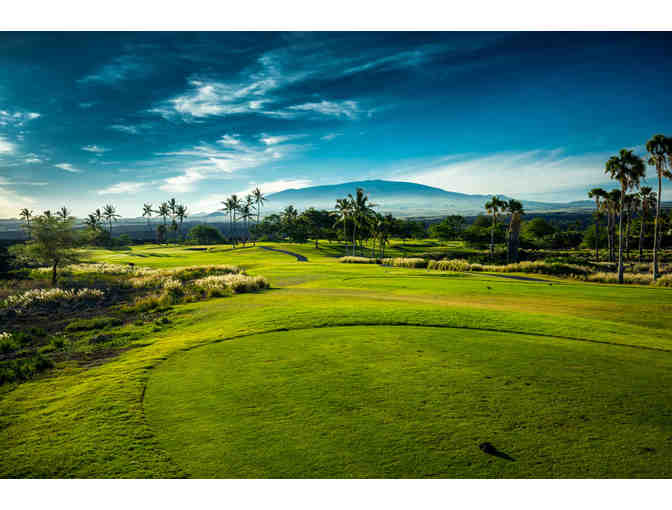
127	118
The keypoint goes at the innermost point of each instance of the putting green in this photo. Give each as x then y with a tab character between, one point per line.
403	401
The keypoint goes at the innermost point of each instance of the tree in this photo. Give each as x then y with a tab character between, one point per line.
515	208
361	211
147	212
204	234
53	242
227	212
628	169
598	194
494	206
659	148
164	212
647	199
632	204
450	228
235	205
63	213
110	214
259	200
26	215
342	212
181	214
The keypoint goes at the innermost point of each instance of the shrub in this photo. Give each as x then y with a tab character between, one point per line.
96	323
7	343
358	260
405	262
21	303
58	342
450	265
664	281
23	369
641	279
236	283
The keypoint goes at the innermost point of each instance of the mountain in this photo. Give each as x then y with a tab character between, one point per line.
401	199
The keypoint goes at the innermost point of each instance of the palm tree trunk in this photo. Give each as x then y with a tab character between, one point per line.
354	238
53	273
492	239
641	236
597	237
628	220
656	228
620	237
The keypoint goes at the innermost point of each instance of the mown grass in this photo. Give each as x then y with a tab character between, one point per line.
88	420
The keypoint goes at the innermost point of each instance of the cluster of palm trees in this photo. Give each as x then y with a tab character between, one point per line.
359	212
97	219
629	169
171	209
496	206
245	210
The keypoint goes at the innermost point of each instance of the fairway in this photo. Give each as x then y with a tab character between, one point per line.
412	402
360	370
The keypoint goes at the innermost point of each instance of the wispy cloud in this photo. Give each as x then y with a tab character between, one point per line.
347	109
18	118
31	158
6	147
227	155
512	173
68	168
119	69
275	140
11	202
95	149
330	136
130	129
123	187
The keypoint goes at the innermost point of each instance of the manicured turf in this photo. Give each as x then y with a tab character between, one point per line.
569	379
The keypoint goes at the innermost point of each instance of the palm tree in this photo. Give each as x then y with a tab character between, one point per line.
26	215
110	214
343	210
628	169
647	198
660	150
147	212
92	221
514	207
360	213
611	204
598	194
259	200
494	206
164	212
181	214
235	205
63	213
247	211
632	204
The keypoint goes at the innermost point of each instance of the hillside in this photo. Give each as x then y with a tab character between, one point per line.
401	199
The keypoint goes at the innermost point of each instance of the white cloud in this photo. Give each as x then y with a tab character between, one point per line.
515	174
183	183
68	168
32	158
330	136
131	130
11	203
275	140
121	68
6	147
95	148
17	119
123	187
213	201
230	154
348	109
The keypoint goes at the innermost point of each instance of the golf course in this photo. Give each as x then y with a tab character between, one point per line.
341	370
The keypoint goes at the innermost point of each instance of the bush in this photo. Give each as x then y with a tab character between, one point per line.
542	267
236	283
358	260
96	323
21	303
23	369
641	279
7	343
405	262
664	281
450	265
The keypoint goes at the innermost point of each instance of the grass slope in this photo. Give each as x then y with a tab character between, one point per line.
577	344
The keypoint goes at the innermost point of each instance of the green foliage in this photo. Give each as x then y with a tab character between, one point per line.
204	234
22	369
450	229
94	323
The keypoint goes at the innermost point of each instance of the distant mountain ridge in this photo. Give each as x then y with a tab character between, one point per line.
402	199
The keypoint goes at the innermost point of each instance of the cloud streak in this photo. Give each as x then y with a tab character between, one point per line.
68	168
